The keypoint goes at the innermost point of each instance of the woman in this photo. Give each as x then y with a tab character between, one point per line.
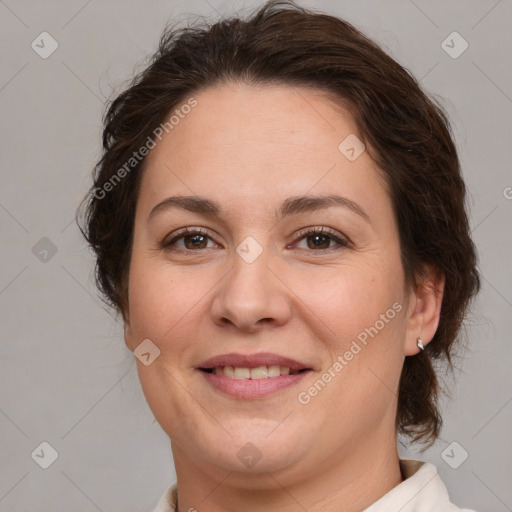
279	217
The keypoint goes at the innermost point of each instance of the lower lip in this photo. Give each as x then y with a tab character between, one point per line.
252	388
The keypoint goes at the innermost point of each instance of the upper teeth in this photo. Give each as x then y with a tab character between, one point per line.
261	372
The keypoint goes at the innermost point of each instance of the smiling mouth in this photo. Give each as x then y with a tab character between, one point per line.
257	373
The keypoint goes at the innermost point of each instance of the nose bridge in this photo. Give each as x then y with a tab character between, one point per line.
251	294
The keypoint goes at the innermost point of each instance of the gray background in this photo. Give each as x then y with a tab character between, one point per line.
66	377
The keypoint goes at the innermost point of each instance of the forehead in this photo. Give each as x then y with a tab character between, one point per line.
248	143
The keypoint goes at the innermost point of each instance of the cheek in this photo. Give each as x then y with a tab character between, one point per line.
161	297
349	299
365	312
363	308
163	301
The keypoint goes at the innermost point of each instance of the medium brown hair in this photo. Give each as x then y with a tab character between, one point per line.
406	133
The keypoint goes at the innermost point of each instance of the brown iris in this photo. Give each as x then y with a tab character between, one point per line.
316	238
197	241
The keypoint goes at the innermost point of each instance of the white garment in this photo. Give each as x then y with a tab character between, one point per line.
421	491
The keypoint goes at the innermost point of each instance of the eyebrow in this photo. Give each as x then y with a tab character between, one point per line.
291	206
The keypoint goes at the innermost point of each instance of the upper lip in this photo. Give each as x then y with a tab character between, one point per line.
252	361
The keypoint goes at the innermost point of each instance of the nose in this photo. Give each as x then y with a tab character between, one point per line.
251	297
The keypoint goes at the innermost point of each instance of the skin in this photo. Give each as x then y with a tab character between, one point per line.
249	148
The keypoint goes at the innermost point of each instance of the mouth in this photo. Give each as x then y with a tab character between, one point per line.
252	376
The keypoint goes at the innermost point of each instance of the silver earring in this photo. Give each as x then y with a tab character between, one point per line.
420	344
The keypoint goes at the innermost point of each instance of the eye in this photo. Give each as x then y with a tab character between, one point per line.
188	239
321	238
318	239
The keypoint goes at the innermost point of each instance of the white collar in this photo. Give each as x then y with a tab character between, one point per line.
421	491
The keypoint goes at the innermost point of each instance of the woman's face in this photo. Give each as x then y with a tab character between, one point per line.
262	291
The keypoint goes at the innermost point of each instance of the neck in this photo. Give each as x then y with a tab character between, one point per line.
353	480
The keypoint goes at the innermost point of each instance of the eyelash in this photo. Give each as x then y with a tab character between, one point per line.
304	233
342	242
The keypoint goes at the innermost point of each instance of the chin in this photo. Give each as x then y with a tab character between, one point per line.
251	450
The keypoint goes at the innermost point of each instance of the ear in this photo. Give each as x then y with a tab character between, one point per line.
129	338
425	308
